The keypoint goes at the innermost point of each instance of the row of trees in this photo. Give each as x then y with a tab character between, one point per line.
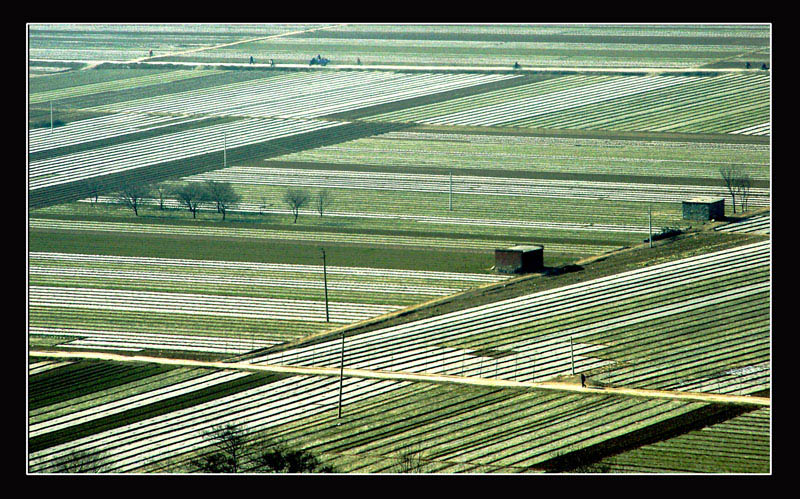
192	195
738	183
297	199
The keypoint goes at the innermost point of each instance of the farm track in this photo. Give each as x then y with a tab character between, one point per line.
410	376
503	70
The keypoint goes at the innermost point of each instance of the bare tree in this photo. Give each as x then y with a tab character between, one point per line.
163	192
132	194
264	205
96	188
80	461
280	458
234	452
410	461
743	185
323	200
296	199
222	194
190	195
231	445
731	175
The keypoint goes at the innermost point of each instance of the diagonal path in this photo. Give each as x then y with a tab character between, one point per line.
419	377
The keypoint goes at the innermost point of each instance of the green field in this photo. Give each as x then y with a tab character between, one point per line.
428	172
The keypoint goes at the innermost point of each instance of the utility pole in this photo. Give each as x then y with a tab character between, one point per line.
516	355
571	356
650	222
451	191
341	378
325	281
51	116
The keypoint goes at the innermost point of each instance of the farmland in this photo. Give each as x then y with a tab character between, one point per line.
455	45
739	445
720	104
157	303
508	340
409	158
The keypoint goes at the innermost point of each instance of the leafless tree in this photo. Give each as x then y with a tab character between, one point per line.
278	457
323	200
731	175
410	461
231	449
234	451
296	199
222	194
264	205
743	185
132	194
96	188
191	195
163	192
80	461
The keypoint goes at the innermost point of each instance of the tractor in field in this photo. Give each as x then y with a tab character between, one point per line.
319	60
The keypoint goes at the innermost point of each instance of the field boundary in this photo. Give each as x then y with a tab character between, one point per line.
644	71
714	398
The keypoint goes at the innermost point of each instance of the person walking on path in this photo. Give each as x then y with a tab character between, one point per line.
583	380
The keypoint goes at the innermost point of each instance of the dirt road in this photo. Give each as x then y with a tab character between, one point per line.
418	377
147	62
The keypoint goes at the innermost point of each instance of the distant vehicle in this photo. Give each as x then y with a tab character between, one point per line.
319	60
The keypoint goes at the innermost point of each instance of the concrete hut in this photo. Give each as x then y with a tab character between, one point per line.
704	208
519	259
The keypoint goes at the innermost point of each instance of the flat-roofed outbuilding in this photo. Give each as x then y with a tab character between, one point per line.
704	208
519	259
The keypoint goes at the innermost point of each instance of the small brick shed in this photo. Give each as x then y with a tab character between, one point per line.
519	259
704	208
